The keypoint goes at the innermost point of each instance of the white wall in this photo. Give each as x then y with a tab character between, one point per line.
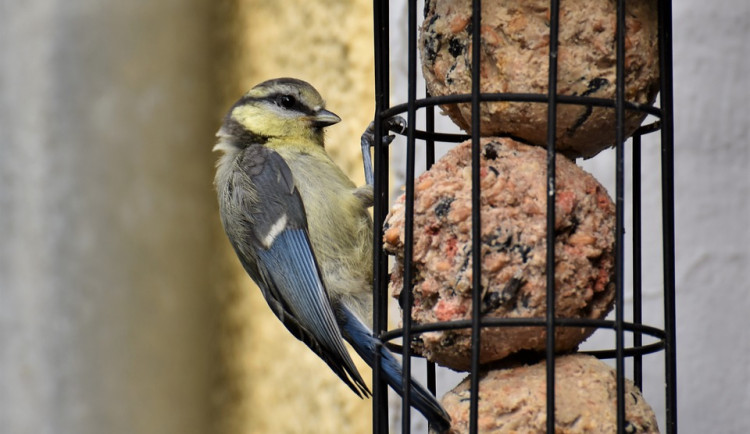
712	123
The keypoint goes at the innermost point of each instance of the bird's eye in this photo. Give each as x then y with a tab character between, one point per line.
287	101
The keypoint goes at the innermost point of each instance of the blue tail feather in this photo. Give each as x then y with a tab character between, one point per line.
366	345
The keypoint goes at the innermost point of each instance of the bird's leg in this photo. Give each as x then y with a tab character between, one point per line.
396	124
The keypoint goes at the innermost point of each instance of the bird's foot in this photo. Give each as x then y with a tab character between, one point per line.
395	124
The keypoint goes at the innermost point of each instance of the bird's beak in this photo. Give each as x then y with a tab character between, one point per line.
324	118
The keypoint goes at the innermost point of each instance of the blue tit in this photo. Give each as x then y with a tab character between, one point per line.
302	231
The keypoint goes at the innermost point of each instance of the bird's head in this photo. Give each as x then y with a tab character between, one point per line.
283	108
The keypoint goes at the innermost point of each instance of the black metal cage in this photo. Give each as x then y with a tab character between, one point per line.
661	338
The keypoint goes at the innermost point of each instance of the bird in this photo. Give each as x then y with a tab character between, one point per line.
302	230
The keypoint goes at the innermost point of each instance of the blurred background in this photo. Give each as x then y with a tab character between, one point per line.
122	307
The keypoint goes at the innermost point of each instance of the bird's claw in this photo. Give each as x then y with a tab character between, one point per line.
396	124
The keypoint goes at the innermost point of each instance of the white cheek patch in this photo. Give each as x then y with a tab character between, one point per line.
275	230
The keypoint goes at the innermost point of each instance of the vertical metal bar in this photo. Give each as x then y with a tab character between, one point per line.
667	186
476	230
429	161
430	128
409	214
637	262
431	377
620	216
551	186
380	261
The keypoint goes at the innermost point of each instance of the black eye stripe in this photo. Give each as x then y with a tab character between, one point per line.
289	102
275	98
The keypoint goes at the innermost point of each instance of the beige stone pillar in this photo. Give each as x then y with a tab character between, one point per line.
277	385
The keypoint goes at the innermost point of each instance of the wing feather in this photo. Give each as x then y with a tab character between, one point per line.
271	219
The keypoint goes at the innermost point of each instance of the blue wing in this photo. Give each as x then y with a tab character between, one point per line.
269	234
293	280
